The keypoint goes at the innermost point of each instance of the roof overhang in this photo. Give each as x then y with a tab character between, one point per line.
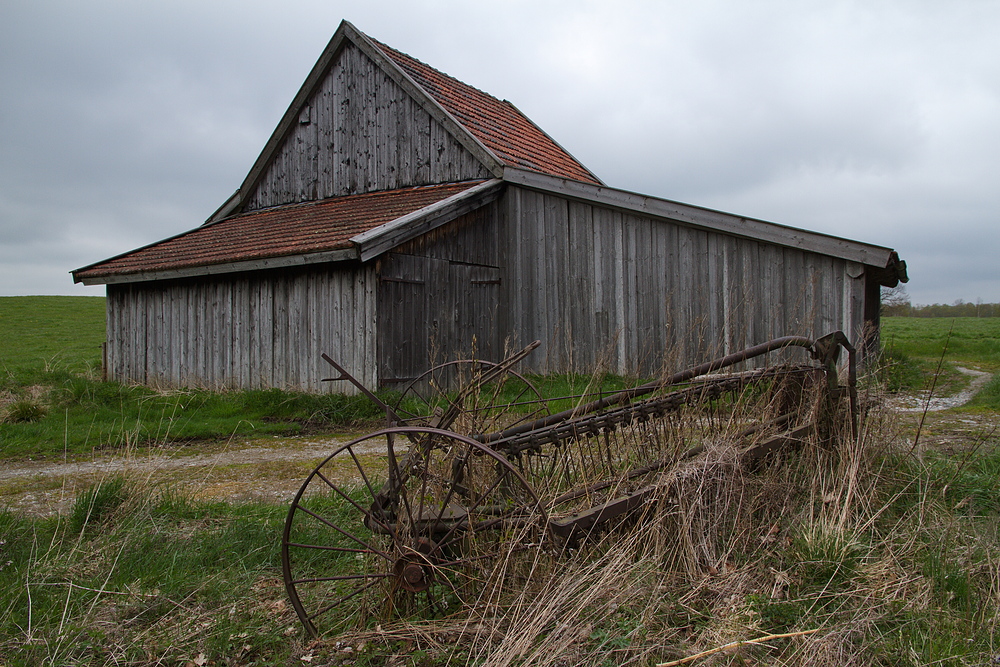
346	254
381	239
695	216
364	246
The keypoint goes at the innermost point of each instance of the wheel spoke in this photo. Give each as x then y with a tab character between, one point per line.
323	547
367	513
400	487
457	516
361	470
343	532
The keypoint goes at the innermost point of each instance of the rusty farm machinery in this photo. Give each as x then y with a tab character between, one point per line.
475	478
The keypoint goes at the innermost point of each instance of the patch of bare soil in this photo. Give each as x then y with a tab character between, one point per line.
953	432
269	470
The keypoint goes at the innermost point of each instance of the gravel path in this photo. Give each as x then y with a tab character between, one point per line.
270	469
918	402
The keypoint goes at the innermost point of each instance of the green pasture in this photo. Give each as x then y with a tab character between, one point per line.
893	563
53	400
923	352
40	334
969	340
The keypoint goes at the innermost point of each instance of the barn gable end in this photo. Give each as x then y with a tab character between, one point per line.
371	118
359	131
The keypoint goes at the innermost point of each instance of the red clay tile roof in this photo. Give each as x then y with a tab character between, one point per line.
296	229
497	124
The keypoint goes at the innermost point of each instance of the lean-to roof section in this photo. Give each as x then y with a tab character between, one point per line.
295	234
727	223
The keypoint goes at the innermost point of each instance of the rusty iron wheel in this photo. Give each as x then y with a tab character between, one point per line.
408	522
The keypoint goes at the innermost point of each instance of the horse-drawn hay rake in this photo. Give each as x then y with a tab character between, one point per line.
474	480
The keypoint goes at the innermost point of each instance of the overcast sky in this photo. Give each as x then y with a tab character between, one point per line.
122	123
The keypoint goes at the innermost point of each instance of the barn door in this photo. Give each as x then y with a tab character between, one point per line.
475	293
431	311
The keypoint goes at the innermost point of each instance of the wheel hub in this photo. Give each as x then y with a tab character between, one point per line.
413	570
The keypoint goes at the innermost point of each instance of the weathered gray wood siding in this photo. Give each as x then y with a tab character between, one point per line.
259	330
601	287
361	132
439	297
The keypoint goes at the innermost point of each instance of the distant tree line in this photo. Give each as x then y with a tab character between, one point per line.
896	302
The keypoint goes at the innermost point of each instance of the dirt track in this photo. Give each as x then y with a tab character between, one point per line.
266	469
272	469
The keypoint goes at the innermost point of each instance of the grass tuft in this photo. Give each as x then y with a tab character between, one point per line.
22	411
98	504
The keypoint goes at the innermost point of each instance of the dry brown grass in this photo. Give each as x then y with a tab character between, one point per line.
825	548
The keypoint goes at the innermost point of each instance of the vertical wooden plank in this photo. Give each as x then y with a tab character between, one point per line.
127	320
353	117
422	148
630	292
645	284
603	333
195	304
366	159
253	333
364	284
265	332
176	302
211	356
404	139
237	337
142	329
113	329
166	298
580	262
340	105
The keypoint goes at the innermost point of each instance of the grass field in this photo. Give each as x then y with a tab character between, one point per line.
961	339
54	401
46	333
867	556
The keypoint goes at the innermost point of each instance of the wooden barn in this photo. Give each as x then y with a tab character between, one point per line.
397	216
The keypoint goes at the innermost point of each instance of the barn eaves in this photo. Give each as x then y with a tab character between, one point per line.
355	227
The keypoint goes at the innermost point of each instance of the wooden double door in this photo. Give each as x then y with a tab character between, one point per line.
431	311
